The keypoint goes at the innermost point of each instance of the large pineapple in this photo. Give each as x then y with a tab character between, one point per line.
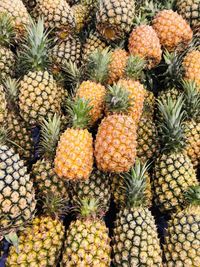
17	197
115	18
174	171
182	241
18	12
172	30
115	144
58	16
39	95
74	154
87	242
135	238
43	174
40	243
7	57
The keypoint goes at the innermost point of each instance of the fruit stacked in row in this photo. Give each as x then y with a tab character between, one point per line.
101	101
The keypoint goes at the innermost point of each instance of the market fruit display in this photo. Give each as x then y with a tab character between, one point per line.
99	133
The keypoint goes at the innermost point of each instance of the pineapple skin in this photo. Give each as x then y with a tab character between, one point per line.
7	62
182	239
173	175
39	97
87	244
115	145
135	239
74	155
115	18
17	196
172	30
144	42
40	244
95	93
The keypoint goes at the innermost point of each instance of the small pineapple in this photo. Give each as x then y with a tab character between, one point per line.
135	239
87	242
182	240
74	154
115	18
174	171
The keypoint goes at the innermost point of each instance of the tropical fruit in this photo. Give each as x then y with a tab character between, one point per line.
135	238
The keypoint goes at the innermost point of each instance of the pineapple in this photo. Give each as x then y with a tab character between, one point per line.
144	42
40	243
173	172
115	144
43	174
3	105
182	239
17	197
191	66
172	93
58	16
115	18
74	153
7	57
39	95
87	242
172	30
189	10
18	13
135	239
149	105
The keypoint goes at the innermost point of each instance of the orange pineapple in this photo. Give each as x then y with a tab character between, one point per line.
74	154
144	42
115	144
172	30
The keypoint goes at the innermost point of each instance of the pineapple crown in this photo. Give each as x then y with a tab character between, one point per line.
191	99
135	66
171	124
88	207
98	65
12	89
50	132
192	195
78	111
5	137
135	185
117	99
33	54
7	32
73	74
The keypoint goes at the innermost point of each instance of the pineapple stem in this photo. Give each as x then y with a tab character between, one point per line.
192	195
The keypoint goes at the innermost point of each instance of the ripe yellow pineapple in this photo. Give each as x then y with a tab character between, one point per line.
172	30
183	233
135	237
87	242
74	154
115	144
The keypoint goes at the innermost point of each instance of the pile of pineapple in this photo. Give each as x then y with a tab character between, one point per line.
99	133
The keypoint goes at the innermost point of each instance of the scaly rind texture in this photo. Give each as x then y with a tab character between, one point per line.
18	12
144	42
40	244
46	180
3	105
97	186
39	97
7	63
182	241
174	173
191	66
81	16
95	93
119	58
192	133
87	244
74	155
115	145
172	29
135	239
17	197
149	105
137	95
115	18
66	50
57	15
